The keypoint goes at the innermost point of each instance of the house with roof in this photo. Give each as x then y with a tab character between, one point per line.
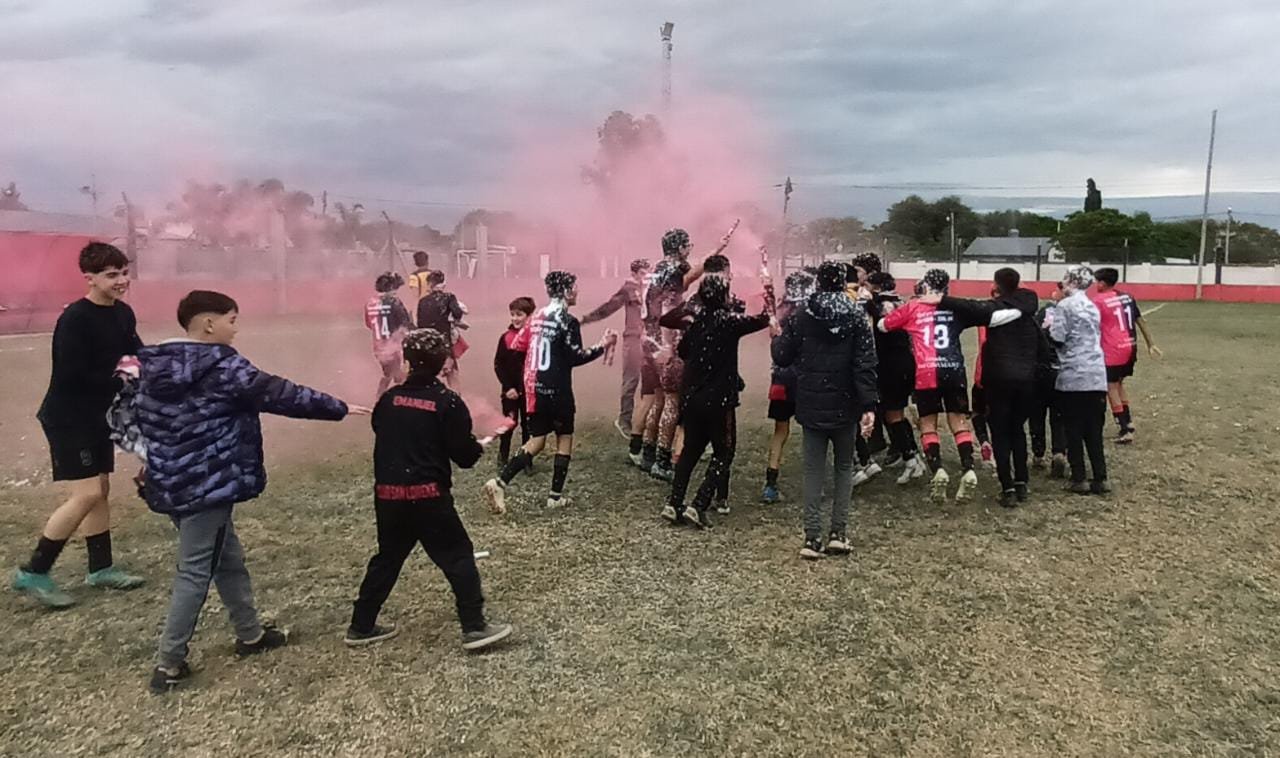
1014	249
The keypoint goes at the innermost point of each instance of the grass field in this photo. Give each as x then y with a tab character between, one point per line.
1143	624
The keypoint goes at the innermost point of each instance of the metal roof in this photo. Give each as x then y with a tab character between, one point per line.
58	223
1008	247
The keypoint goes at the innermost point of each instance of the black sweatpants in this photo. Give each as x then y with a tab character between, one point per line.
513	409
1047	405
1084	416
717	427
1008	407
435	525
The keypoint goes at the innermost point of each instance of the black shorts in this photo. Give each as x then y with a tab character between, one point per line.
80	453
953	398
895	388
782	400
1121	372
552	414
649	384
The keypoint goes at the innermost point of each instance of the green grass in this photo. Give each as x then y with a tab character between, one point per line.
1141	624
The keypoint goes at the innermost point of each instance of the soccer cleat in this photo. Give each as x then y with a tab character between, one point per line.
865	473
812	550
483	638
271	639
1008	499
1020	491
637	460
42	588
669	513
165	680
893	460
622	429
665	473
558	501
912	469
938	486
722	507
988	454
495	494
114	579
357	638
968	484
1125	438
1058	468
770	495
1100	488
696	517
838	544
1078	488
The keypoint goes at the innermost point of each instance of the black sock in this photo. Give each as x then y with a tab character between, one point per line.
99	549
637	443
1128	419
44	555
1119	417
559	474
863	450
649	453
504	449
771	477
966	455
518	463
933	455
903	438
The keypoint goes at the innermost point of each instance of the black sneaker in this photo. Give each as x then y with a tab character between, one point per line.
357	638
1100	488
1078	488
838	544
1021	492
483	638
1008	499
271	639
1058	467
812	550
164	680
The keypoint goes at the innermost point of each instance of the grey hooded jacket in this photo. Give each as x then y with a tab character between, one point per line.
1075	326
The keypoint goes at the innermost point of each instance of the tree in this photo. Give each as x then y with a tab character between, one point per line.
623	138
913	219
1251	243
998	224
11	199
829	232
1100	236
926	224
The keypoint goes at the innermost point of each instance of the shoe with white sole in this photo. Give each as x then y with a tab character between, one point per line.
622	429
865	473
495	494
812	550
637	460
938	486
838	544
968	485
912	469
482	638
379	632
669	513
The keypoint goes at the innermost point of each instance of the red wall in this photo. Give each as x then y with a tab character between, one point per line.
1225	293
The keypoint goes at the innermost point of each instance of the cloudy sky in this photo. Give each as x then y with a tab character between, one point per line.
425	102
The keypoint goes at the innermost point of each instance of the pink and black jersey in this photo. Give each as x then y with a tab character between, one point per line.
553	349
388	319
935	343
1119	316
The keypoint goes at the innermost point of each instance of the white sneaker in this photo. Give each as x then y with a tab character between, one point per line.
624	431
496	496
968	485
669	513
637	460
938	486
912	469
558	501
865	473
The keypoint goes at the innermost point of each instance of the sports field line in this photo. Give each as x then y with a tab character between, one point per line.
1150	311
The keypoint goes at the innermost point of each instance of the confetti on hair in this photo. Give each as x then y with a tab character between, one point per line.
673	241
559	283
799	285
640	265
882	280
1078	277
830	277
868	262
936	281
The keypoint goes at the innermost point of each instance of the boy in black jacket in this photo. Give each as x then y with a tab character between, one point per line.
508	365
420	428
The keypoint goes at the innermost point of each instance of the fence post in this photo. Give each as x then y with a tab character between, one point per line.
1124	273
1038	259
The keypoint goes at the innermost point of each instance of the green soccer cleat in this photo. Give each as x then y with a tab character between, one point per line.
112	578
42	588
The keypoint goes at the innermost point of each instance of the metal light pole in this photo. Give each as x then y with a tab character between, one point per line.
665	32
951	219
1204	214
1226	248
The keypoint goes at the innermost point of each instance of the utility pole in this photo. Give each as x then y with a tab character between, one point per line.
1204	214
664	32
951	219
786	203
1226	248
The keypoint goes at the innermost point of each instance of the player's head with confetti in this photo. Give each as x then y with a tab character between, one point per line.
882	281
426	350
675	242
869	263
935	281
830	277
799	286
1077	278
562	285
713	291
388	282
640	267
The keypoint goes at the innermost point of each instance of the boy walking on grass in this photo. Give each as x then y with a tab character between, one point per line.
196	408
91	337
420	429
508	366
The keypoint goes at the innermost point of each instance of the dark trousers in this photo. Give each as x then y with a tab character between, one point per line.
1047	405
632	361
1008	407
716	427
435	525
513	409
979	410
1084	416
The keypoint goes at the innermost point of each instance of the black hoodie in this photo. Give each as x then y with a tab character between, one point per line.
831	345
1012	351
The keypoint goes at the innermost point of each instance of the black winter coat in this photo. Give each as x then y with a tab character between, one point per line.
830	343
1012	351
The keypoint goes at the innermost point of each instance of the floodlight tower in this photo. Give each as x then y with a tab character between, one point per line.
665	31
